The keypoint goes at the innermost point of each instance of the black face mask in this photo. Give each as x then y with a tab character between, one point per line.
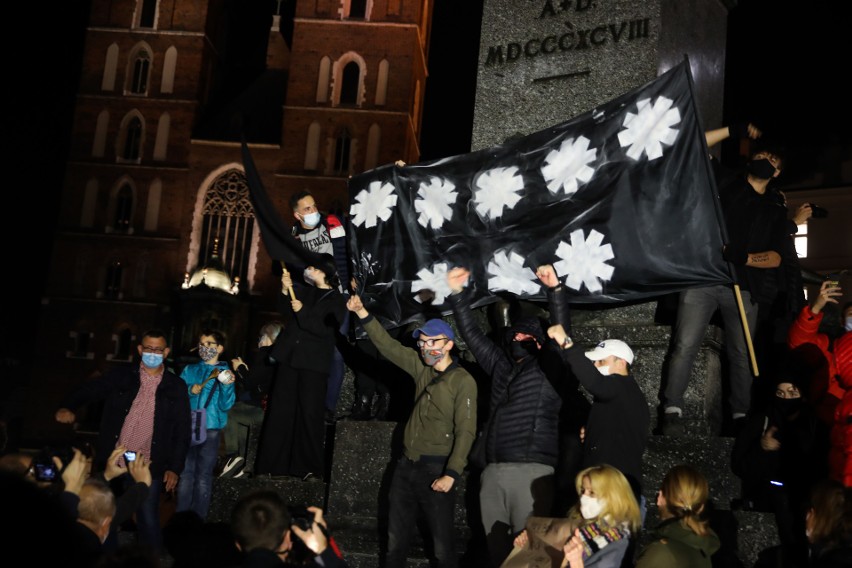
761	169
785	408
521	349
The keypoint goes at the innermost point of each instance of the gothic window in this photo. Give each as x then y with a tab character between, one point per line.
147	13
342	148
140	73
123	209
130	138
81	345
351	81
357	9
112	281
123	346
228	223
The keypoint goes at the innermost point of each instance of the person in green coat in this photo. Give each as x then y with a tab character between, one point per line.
684	538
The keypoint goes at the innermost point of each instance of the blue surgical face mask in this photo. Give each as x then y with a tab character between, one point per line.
848	324
311	219
152	360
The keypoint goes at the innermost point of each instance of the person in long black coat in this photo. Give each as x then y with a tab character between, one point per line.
293	432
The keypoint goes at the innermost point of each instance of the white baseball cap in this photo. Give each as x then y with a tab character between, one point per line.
611	347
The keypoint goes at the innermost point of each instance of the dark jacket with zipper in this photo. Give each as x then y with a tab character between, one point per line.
118	388
525	402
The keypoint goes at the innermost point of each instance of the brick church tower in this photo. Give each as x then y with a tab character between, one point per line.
155	226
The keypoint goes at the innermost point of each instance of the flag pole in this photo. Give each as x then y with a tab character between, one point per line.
722	228
746	331
289	288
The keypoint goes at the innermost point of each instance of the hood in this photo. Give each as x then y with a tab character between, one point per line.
526	324
672	529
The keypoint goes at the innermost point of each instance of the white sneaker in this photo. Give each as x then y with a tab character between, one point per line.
233	466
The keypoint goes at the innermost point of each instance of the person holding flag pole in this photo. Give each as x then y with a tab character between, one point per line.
753	231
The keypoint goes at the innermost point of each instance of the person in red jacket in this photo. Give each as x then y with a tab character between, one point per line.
813	347
842	430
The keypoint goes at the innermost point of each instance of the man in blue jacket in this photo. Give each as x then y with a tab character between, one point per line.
146	409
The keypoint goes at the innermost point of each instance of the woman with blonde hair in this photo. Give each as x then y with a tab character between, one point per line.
605	518
684	538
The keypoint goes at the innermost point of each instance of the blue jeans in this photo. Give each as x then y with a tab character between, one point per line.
694	311
196	482
410	493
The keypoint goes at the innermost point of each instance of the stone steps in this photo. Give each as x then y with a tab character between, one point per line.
355	496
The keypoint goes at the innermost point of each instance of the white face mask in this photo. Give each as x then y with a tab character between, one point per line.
848	325
308	278
590	507
311	219
603	370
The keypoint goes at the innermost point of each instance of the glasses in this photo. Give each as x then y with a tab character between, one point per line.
208	344
149	349
431	342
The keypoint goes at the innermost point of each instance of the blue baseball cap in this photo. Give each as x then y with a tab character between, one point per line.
434	327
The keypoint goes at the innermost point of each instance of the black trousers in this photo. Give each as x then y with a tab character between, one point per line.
411	493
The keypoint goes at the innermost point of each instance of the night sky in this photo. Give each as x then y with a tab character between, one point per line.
785	71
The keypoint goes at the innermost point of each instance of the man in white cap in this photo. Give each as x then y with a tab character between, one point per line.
616	431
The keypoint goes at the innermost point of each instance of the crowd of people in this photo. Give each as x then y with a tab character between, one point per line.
555	434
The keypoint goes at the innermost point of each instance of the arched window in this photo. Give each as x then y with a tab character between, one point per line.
112	281
147	13
342	149
229	218
357	9
351	81
141	69
81	344
123	209
123	346
130	138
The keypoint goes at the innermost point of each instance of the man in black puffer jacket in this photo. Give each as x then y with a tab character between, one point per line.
521	434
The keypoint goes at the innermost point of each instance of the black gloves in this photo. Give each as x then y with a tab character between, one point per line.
739	129
734	255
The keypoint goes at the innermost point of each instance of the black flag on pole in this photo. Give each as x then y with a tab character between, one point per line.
621	201
274	231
